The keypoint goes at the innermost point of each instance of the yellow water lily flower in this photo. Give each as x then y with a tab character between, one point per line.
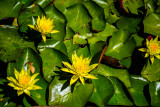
23	82
44	26
80	68
153	49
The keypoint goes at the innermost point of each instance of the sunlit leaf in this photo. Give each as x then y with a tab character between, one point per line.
61	93
101	93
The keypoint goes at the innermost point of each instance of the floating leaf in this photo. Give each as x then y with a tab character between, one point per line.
59	45
101	93
130	24
78	14
121	74
151	71
78	39
103	35
12	44
133	5
61	5
154	91
98	21
9	8
136	90
119	97
152	24
121	45
60	93
51	58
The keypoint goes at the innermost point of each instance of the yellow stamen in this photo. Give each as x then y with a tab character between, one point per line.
24	80
154	47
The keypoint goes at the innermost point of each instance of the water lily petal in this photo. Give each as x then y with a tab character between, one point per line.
82	80
33	82
31	26
12	84
27	92
16	73
54	31
43	37
68	65
152	58
18	88
74	79
158	56
19	92
68	70
147	42
143	49
91	67
38	20
155	40
34	87
146	55
34	76
11	79
90	76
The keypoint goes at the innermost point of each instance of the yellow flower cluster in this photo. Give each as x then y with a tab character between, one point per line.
44	26
153	49
23	82
80	68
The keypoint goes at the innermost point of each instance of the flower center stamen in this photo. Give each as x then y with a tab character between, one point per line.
24	80
154	47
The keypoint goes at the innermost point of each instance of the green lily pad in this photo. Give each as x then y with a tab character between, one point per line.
136	90
139	40
69	33
61	5
126	62
78	39
78	13
102	3
133	5
98	21
151	71
149	5
70	46
154	91
103	35
101	93
59	45
83	51
97	47
60	93
12	44
151	24
51	58
9	8
121	45
130	24
121	74
119	97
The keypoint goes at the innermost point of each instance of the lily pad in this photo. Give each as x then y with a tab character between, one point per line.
119	97
121	45
151	71
121	74
136	90
60	93
101	93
